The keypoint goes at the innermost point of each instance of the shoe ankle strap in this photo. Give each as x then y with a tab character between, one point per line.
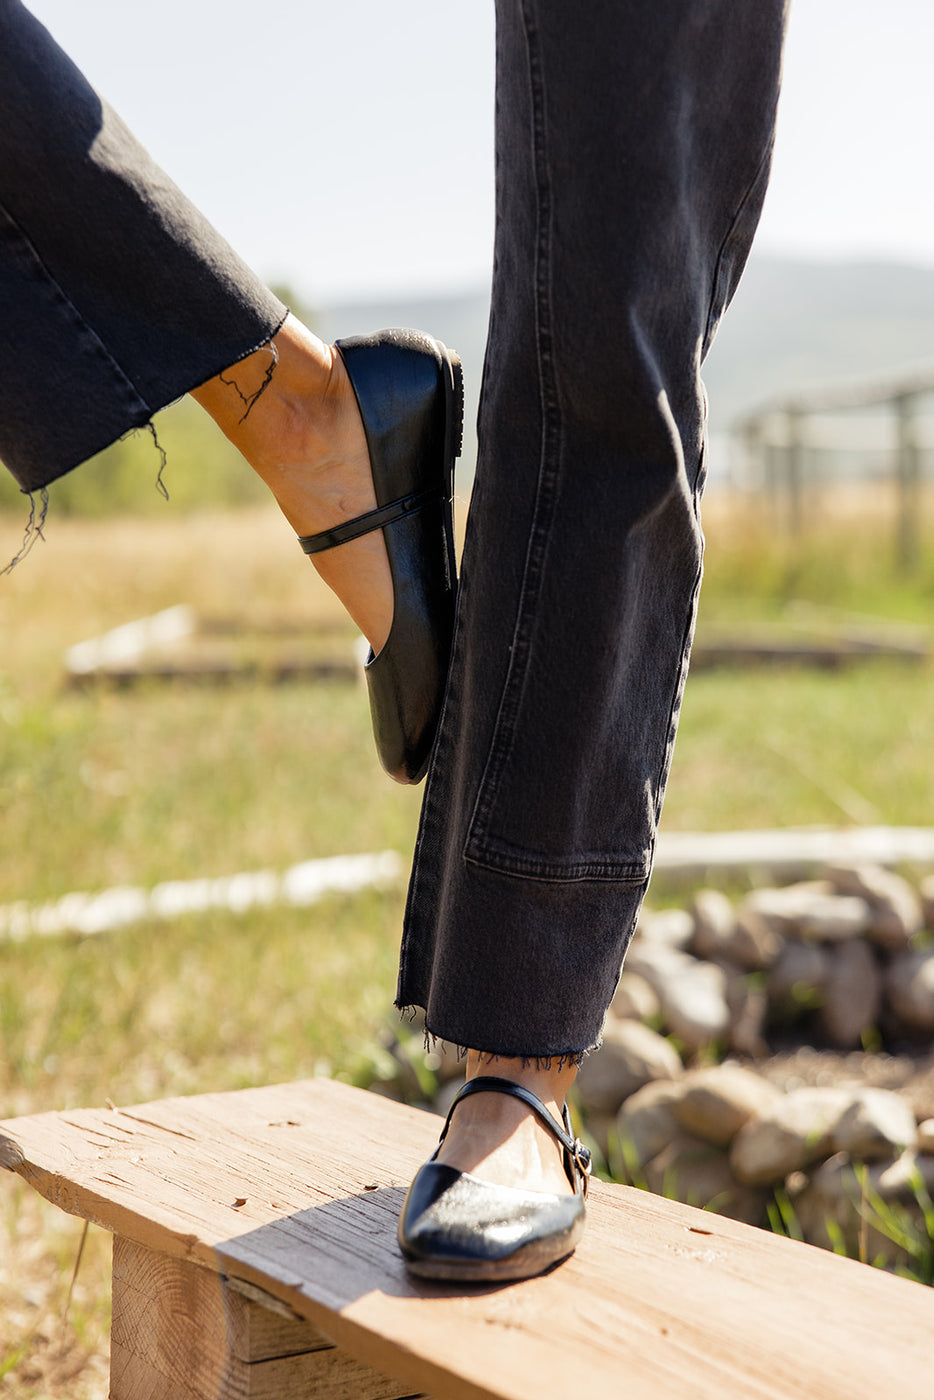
363	524
577	1156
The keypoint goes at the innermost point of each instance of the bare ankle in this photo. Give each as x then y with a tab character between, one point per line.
281	405
547	1077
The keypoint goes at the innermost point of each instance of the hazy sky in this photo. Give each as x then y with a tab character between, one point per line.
347	147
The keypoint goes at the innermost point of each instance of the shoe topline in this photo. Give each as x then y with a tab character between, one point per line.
455	1226
409	390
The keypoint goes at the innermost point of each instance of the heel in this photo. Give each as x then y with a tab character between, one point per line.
454	444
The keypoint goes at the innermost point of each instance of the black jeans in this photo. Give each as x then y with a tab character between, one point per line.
633	147
116	295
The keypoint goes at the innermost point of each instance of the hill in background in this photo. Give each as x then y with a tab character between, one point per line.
803	325
793	325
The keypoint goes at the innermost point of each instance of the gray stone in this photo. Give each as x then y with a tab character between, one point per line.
714	1103
877	1125
672	927
810	911
924	1142
895	908
631	1055
754	945
748	1006
692	993
852	995
781	907
897	1182
926	892
646	1122
909	989
743	938
657	963
694	1004
635	999
713	923
829	1210
787	1137
797	980
691	1170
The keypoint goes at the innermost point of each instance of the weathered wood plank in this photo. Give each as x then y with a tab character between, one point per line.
667	1299
337	1377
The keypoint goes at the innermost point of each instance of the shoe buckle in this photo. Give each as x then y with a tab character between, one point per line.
583	1160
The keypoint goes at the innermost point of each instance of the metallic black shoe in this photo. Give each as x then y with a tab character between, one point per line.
455	1226
410	393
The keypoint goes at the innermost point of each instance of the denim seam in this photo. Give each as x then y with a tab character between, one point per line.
139	412
661	780
95	345
728	237
550	872
432	818
478	847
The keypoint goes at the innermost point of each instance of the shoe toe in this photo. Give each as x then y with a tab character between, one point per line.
453	1225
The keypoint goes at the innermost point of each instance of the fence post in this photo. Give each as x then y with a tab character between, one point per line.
795	477
908	483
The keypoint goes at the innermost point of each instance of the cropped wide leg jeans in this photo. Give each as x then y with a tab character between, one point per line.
633	142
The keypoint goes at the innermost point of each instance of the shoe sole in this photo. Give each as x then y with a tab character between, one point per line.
453	376
487	1271
453	446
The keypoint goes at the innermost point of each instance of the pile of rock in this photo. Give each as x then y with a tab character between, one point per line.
724	1137
842	954
842	961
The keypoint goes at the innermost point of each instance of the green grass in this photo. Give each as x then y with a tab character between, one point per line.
202	469
840	570
174	782
195	1004
163	782
771	748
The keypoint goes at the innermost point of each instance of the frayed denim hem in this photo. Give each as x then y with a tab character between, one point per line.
556	1061
38	513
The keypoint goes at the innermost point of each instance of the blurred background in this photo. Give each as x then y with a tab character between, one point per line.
346	152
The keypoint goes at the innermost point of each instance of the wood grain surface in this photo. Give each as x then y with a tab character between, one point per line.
294	1191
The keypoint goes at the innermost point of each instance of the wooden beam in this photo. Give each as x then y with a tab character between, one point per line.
839	398
180	1332
794	480
295	1189
908	483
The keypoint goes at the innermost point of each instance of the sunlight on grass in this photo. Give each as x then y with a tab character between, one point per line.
208	1003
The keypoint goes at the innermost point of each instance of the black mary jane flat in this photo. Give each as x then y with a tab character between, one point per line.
409	389
455	1226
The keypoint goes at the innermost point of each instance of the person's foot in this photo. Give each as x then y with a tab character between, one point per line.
493	1204
499	1139
293	414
